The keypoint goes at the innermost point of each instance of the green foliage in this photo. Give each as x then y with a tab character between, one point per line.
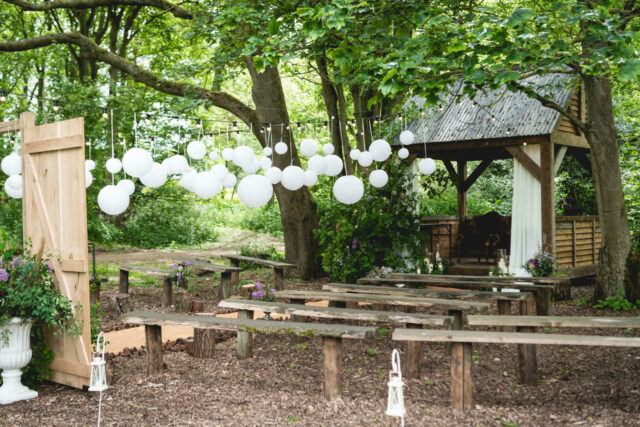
617	303
34	374
257	251
575	194
96	321
263	220
543	264
11	216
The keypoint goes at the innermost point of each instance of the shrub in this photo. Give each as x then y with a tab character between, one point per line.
263	220
617	303
257	251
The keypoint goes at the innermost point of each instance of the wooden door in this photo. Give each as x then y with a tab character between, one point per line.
54	212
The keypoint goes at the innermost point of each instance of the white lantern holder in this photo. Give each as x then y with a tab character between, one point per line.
99	372
395	402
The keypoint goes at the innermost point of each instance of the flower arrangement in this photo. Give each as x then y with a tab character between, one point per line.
181	273
543	264
433	268
262	293
380	272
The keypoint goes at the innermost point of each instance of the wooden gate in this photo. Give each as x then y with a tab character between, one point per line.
54	215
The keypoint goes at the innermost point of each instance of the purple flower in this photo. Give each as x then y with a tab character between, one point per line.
49	268
258	285
368	198
187	264
4	276
16	262
354	244
254	294
171	267
273	290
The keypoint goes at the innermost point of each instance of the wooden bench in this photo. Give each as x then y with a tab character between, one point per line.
165	275
278	268
226	273
461	362
332	336
541	292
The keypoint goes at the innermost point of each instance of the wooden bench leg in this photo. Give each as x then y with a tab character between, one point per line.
504	309
414	352
204	342
225	285
235	276
153	342
278	278
527	352
456	325
543	302
332	367
296	318
245	348
167	293
461	383
124	282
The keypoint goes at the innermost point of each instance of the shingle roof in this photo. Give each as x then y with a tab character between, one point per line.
515	113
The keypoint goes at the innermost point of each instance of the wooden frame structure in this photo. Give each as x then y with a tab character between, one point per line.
54	217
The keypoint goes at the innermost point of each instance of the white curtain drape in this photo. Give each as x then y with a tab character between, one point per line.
526	217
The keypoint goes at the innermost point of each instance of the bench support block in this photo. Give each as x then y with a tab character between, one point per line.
235	276
455	325
504	309
124	282
461	383
245	348
278	278
167	291
204	342
414	352
528	361
225	285
332	367
153	341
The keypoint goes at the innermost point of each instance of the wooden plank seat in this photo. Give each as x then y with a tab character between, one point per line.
226	272
166	275
461	341
555	321
278	268
332	336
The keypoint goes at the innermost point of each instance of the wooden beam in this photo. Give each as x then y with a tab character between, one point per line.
452	172
475	144
567	139
462	193
476	174
526	161
54	144
560	153
547	189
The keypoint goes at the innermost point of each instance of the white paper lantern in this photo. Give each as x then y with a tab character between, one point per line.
137	162
318	164
267	151
243	156
166	165
281	147
333	165
406	137
354	154
252	167
308	147
179	164
11	165
155	178
228	154
88	178
196	150
89	164
255	190
220	171
230	181
427	166
207	185
365	159
113	200
378	178
127	185
273	174
214	156
403	153
348	189
12	192
380	150
114	165
188	180
328	149
265	163
292	178
15	182
310	178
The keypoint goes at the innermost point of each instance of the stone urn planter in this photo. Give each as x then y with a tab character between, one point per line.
15	354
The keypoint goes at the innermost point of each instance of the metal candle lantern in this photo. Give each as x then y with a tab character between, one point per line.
98	367
395	403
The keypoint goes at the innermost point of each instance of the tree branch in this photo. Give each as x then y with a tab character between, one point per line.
177	11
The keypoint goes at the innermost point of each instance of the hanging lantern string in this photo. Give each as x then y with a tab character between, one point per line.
291	144
113	151
135	130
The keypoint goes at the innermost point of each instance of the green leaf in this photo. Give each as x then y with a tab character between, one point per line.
478	76
392	72
520	16
507	76
630	70
274	27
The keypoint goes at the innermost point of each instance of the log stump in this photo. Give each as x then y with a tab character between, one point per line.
204	342
182	301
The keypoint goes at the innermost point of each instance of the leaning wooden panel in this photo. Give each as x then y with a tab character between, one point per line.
55	216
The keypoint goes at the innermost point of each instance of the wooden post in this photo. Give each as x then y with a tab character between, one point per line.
245	350
278	278
226	280
124	282
461	383
235	276
153	337
456	325
527	352
182	301
332	367
504	309
414	356
204	342
547	201
94	291
543	302
462	194
167	290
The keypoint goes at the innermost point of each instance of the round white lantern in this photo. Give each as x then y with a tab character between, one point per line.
155	178
114	165
179	164
267	151
243	156
113	200
328	149
406	137
89	164
308	147
137	162
214	156
207	185
252	167
310	178
317	164
127	185
292	178
281	147
220	171
166	165
427	166
273	174
11	165
255	190
348	189
380	150
265	163
230	181
354	154
196	150
188	179
88	178
228	154
365	159
333	165
15	182
12	192
403	153
378	178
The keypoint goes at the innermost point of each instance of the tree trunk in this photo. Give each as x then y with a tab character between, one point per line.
330	96
297	208
607	177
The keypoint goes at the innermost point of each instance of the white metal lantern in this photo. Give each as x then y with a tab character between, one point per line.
98	367
395	402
